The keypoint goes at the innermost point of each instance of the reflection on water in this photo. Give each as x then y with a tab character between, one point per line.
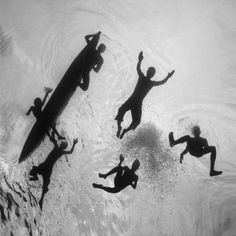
39	40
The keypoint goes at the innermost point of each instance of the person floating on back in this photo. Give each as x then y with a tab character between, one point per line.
90	59
134	102
124	177
37	111
45	168
196	146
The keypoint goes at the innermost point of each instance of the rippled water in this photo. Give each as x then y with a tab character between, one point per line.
39	40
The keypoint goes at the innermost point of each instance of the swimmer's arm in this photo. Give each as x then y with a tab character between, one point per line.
98	66
30	110
72	148
140	58
157	83
134	185
45	97
205	143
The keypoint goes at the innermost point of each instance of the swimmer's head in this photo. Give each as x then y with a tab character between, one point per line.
196	130
37	102
63	145
135	165
101	48
151	72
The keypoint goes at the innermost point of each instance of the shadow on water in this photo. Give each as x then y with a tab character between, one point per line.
78	74
134	102
196	146
124	177
45	169
38	113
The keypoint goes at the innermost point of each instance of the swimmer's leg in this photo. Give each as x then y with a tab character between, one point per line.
54	130
182	154
119	128
136	113
107	189
86	79
117	169
33	173
212	151
46	181
120	115
180	140
48	134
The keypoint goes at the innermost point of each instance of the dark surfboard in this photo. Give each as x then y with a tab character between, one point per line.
59	98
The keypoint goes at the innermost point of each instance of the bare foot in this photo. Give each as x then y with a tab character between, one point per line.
214	173
97	185
33	178
118	131
102	176
123	133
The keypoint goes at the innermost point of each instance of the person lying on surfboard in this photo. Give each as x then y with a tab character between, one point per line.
45	168
124	177
196	146
134	103
37	111
91	59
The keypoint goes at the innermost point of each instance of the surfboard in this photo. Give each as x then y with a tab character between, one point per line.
59	99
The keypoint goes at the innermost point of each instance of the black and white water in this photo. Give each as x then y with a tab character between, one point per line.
39	40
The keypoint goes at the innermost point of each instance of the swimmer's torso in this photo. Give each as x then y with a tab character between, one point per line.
126	178
196	144
142	88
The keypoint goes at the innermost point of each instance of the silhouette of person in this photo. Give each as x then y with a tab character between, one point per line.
196	146
37	111
77	75
134	102
45	168
38	104
91	59
124	177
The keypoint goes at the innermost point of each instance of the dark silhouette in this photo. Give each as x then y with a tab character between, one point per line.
93	59
37	111
196	146
124	177
134	103
45	169
38	104
77	75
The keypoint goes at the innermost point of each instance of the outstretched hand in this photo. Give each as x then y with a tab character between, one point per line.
170	74
121	158
140	56
75	140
